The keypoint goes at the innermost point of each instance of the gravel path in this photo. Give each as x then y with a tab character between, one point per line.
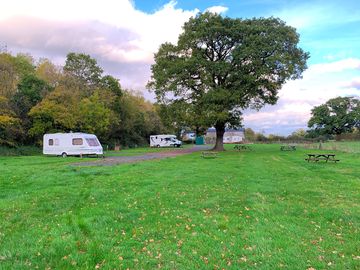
110	161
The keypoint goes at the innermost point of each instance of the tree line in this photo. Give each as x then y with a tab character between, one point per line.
38	97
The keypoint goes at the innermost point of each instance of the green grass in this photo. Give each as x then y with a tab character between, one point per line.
143	150
260	209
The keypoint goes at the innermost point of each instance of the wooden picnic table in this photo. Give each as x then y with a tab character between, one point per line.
319	157
209	154
288	147
242	147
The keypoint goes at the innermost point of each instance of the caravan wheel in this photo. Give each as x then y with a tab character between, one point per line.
64	155
158	146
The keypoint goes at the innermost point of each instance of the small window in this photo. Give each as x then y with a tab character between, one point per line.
51	142
56	141
92	141
77	141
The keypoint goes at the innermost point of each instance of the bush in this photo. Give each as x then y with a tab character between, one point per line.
20	151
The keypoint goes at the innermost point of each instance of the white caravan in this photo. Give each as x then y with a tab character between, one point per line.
66	144
164	141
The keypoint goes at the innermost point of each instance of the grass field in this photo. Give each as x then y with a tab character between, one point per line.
261	209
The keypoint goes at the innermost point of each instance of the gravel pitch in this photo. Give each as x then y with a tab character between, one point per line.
110	161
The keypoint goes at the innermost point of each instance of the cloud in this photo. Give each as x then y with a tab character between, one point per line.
217	9
320	83
355	84
122	38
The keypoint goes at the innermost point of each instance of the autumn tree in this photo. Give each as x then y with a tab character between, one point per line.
250	135
84	68
48	72
10	128
223	66
338	115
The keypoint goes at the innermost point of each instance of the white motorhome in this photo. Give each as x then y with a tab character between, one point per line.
71	144
164	141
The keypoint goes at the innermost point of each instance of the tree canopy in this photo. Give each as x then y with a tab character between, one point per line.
38	98
338	115
221	66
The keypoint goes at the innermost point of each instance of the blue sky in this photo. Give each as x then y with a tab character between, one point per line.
329	30
123	36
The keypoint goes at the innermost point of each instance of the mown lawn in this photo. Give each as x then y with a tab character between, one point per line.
263	209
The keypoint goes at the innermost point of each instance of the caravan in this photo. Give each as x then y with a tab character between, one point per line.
76	144
164	141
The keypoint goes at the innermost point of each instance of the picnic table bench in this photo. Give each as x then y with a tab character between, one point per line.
209	154
288	148
242	147
319	157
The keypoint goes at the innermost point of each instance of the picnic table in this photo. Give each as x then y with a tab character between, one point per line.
209	154
242	147
319	157
288	147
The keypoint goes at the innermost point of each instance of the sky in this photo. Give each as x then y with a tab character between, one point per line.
123	35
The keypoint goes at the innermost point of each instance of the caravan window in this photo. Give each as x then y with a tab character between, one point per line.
77	141
92	142
51	142
56	141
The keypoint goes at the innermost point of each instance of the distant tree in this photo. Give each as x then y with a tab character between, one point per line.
94	116
111	83
30	91
139	120
9	77
10	127
298	134
222	66
57	112
48	72
84	68
250	135
338	115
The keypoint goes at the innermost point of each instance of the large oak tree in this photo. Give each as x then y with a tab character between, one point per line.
222	66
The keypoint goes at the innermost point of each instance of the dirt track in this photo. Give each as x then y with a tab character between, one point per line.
115	160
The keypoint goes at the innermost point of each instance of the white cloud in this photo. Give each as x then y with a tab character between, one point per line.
217	9
320	83
112	31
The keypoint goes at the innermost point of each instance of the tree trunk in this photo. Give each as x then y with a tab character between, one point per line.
220	130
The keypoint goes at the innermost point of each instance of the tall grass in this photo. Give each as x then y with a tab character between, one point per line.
347	147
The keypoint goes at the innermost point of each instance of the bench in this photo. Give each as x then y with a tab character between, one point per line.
209	154
319	157
241	147
288	148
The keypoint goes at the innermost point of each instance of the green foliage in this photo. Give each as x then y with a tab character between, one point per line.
94	117
84	68
140	120
220	66
250	135
20	151
35	100
338	115
30	91
10	127
48	72
12	70
111	83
